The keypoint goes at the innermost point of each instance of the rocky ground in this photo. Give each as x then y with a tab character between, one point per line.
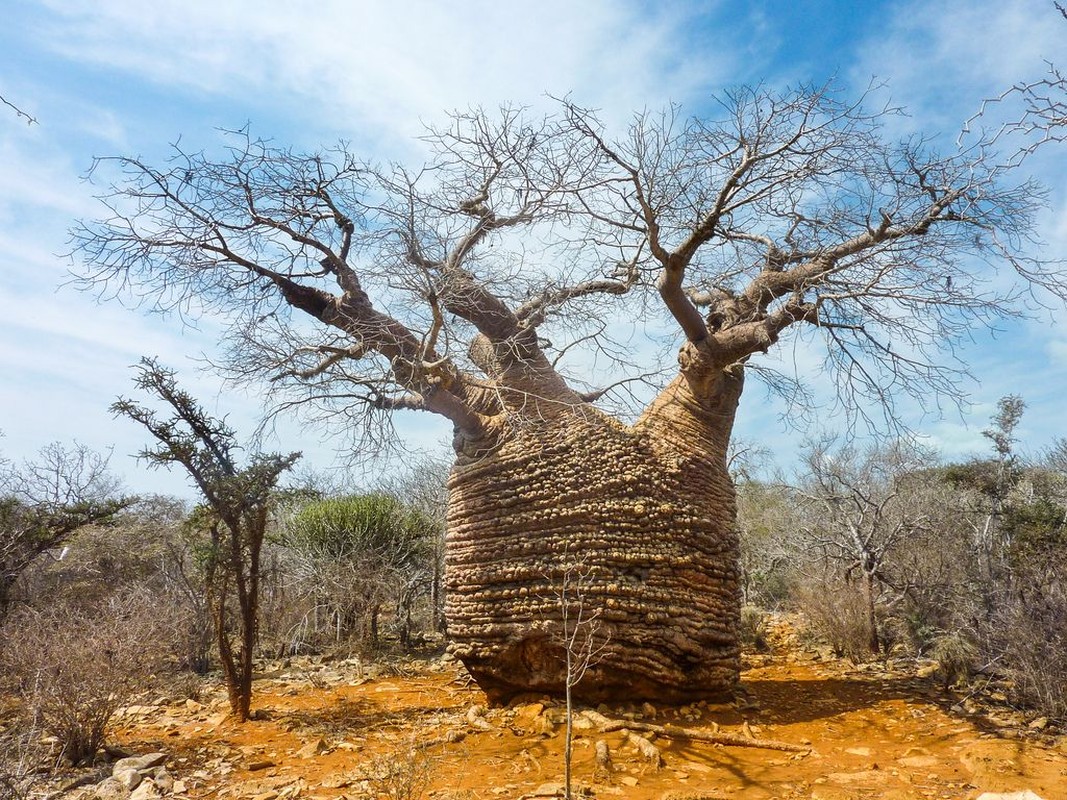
340	729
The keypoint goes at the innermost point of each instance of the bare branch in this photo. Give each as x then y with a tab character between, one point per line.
18	111
450	282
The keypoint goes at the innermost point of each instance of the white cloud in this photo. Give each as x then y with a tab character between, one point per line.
1057	351
388	65
942	59
373	71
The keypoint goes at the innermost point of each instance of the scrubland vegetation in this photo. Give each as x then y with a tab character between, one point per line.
890	550
885	551
102	606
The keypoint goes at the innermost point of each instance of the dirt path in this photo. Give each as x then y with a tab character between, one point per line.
327	733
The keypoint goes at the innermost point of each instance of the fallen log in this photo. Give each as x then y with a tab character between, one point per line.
648	751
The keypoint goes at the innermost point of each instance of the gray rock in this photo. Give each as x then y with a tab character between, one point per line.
129	778
546	790
146	791
110	789
139	763
163	780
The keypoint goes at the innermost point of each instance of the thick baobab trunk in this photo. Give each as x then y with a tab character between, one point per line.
637	520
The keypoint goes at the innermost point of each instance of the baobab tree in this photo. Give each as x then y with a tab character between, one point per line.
491	284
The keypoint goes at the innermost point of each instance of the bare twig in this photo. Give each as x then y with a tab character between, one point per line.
18	111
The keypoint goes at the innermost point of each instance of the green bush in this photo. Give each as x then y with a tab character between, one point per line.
349	557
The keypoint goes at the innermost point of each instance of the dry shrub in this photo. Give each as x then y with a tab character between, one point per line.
753	630
75	665
22	755
1030	637
956	657
402	774
836	612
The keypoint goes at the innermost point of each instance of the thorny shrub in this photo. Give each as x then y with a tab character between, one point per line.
403	774
76	665
956	657
836	612
1030	636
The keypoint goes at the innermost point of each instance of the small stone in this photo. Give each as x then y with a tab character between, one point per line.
1038	724
547	790
139	763
110	789
163	780
129	778
1026	794
476	718
146	790
859	751
179	787
544	726
312	749
629	780
256	766
526	716
648	710
580	722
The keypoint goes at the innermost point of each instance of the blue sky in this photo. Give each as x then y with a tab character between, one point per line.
106	77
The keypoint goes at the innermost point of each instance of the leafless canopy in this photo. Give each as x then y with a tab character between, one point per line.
529	251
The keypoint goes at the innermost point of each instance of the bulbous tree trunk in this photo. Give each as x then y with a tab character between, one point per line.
645	512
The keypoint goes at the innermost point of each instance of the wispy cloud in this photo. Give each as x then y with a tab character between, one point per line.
942	59
388	65
118	77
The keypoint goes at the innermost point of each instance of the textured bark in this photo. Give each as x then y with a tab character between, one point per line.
645	511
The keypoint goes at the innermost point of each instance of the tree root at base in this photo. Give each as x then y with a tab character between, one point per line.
676	732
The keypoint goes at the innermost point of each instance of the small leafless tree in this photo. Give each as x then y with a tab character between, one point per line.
582	640
44	501
238	503
866	505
